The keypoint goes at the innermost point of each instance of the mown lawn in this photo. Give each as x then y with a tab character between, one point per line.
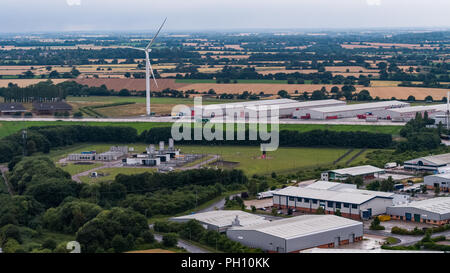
246	158
283	160
75	168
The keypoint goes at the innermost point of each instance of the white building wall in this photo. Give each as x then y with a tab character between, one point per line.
378	205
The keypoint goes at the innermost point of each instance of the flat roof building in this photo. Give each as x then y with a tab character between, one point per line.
49	108
441	181
217	110
367	172
408	113
221	220
350	201
428	163
433	211
11	108
299	233
288	110
350	110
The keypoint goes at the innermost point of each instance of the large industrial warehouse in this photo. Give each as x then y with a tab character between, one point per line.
367	172
351	202
408	113
217	110
222	220
428	163
288	110
441	181
348	111
299	233
433	211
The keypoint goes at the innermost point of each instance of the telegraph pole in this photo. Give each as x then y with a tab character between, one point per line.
24	140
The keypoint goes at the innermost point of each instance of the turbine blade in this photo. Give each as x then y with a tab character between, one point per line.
153	74
156	35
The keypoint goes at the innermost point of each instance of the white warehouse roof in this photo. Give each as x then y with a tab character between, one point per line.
359	170
303	104
326	185
301	225
328	195
441	159
252	103
224	218
439	205
421	108
362	106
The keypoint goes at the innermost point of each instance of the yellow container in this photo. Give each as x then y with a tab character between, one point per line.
384	218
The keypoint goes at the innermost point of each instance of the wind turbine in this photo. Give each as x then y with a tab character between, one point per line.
148	67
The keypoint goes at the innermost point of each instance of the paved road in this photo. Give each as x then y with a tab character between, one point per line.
220	205
347	121
205	162
405	240
183	244
3	170
105	165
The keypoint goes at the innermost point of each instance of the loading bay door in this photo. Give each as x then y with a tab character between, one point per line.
408	216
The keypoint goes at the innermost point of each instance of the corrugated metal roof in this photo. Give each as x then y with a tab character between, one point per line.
335	193
440	205
250	103
436	107
362	106
302	104
223	218
327	195
326	185
441	175
359	170
12	107
301	225
441	159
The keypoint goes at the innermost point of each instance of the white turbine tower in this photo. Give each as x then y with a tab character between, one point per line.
149	69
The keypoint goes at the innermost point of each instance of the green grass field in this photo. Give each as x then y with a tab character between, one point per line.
246	158
10	127
282	160
74	169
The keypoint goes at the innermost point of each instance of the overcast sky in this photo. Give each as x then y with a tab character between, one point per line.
129	15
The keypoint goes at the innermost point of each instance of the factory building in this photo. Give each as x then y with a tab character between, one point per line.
50	108
349	111
288	110
238	108
350	201
408	113
114	153
299	233
367	172
222	220
433	211
152	157
11	108
428	163
441	181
